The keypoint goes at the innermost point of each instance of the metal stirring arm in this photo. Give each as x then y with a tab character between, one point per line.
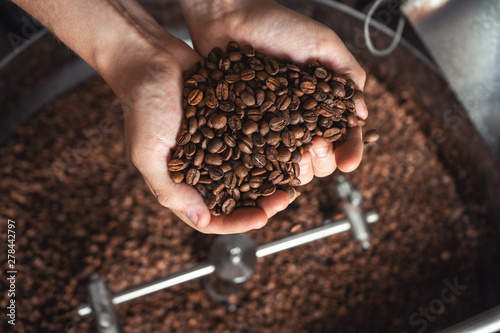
232	258
207	268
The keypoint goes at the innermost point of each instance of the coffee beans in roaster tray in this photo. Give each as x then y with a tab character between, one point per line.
250	117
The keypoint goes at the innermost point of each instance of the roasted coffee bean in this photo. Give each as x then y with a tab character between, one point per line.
273	138
195	97
217	190
235	194
260	96
296	156
211	201
208	133
277	124
213	159
271	67
272	83
267	106
357	96
193	176
247	161
284	154
189	150
222	91
235	56
228	206
247	98
339	78
255	182
288	138
249	127
248	51
283	102
199	157
229	140
244	147
320	72
219	121
226	106
310	104
216	173
275	176
234	123
178	153
177	177
332	134
250	195
232	78
296	169
291	192
193	125
267	189
183	138
295	182
352	120
338	90
258	140
325	87
320	96
371	136
248	203
247	74
230	180
214	145
259	160
307	87
205	180
255	64
254	114
211	101
175	165
241	171
226	167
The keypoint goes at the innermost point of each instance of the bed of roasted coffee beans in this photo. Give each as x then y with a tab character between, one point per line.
249	119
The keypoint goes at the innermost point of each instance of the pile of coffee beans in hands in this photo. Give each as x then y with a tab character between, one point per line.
249	118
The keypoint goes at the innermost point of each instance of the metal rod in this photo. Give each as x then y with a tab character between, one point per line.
204	269
189	274
309	236
485	322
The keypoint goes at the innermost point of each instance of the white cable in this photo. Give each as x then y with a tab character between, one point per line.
366	32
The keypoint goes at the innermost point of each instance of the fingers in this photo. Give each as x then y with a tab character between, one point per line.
319	161
348	154
322	157
274	203
306	168
245	219
241	220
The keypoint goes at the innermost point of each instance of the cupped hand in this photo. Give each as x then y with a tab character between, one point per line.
273	29
151	94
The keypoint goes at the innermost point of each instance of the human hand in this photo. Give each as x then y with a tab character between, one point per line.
273	29
151	94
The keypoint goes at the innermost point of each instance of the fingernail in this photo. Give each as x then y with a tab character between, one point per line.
320	152
192	216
